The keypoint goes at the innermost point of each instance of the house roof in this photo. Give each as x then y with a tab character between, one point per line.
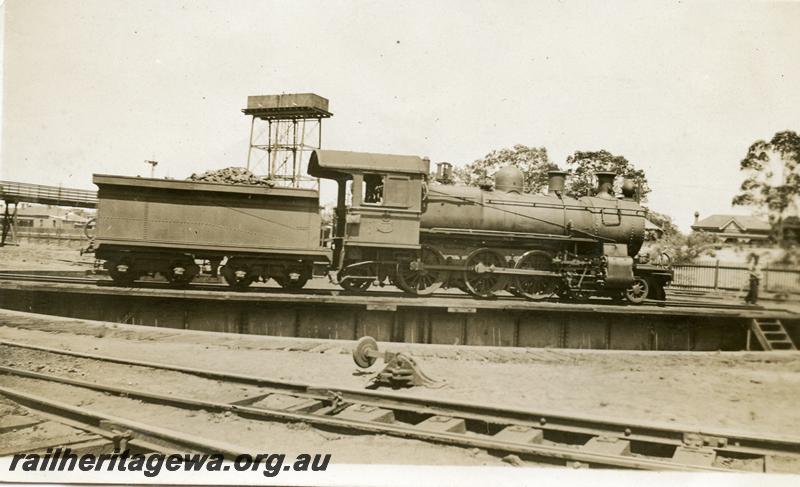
719	222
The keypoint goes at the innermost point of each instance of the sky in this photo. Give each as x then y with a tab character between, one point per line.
681	89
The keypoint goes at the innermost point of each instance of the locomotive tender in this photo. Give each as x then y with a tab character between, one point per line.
391	226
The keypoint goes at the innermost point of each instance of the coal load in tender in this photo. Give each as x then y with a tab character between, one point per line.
231	175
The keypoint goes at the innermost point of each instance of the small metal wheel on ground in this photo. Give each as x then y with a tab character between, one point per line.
535	288
637	292
477	277
354	278
413	277
365	352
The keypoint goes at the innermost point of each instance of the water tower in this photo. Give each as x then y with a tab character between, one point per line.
283	131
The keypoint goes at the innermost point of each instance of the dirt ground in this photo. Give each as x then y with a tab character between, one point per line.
753	392
30	257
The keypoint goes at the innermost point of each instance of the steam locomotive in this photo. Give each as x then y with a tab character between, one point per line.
391	226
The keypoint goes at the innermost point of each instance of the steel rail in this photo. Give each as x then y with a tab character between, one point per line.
109	432
489	417
565	453
198	286
46	278
135	434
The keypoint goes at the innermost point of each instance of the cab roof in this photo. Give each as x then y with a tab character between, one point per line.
335	164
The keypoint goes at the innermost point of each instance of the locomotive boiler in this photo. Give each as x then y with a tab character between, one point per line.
538	245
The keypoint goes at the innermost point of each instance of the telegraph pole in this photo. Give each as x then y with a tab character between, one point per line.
153	165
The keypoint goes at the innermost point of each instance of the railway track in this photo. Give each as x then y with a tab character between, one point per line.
213	287
37	277
539	436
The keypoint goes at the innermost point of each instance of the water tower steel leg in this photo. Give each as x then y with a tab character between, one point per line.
270	168
5	224
294	152
250	151
13	226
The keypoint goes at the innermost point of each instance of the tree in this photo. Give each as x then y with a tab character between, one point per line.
664	222
696	245
680	248
772	177
583	164
532	161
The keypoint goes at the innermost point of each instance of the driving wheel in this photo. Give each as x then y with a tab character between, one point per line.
478	278
535	287
414	278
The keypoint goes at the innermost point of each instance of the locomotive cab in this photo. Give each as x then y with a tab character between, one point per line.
379	203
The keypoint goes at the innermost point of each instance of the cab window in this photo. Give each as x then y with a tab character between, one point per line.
373	189
397	191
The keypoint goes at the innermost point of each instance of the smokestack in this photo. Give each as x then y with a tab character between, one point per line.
605	184
555	182
444	172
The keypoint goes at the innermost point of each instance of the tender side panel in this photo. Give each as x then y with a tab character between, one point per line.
176	218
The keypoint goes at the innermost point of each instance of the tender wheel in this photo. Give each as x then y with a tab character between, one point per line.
364	355
181	273
238	276
637	292
287	282
121	272
355	284
535	287
294	277
484	284
422	282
